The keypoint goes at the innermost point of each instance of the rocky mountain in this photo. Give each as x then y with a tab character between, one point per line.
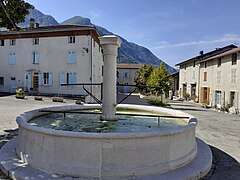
42	19
128	52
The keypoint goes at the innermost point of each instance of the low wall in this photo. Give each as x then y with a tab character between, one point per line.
106	155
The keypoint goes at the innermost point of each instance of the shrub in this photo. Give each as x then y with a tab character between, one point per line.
157	101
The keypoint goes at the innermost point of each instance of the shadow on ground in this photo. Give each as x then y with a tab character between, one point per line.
188	109
224	166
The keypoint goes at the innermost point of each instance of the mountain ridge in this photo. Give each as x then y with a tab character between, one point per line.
129	52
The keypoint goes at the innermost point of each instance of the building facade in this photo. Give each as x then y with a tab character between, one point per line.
212	77
125	76
40	59
220	79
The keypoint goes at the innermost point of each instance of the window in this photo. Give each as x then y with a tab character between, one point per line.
71	39
205	76
219	62
71	57
12	42
185	66
194	63
234	58
233	76
126	74
205	64
35	41
2	42
71	78
1	80
47	78
218	98
12	58
193	74
35	57
218	77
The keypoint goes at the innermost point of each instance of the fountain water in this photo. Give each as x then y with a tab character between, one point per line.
166	153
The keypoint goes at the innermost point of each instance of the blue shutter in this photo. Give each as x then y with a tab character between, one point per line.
29	75
40	78
62	81
73	57
13	58
50	80
69	57
36	57
33	57
74	77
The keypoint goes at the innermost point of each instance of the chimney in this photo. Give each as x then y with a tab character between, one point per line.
201	53
32	23
37	25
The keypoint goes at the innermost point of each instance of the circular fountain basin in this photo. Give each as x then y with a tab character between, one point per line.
106	155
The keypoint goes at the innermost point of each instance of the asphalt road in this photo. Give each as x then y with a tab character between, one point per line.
217	129
221	131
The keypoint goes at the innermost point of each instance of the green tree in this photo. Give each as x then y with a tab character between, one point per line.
13	12
142	76
159	77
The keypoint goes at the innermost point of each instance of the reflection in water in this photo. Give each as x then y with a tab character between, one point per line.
91	123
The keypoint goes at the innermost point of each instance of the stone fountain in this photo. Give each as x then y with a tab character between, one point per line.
41	153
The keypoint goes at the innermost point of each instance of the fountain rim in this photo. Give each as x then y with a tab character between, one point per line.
23	118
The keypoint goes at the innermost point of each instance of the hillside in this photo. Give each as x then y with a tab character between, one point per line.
128	52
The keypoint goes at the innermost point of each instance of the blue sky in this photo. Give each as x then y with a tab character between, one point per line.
174	30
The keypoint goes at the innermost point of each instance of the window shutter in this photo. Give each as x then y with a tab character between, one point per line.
36	57
62	78
74	77
69	56
200	95
73	57
50	80
33	57
13	58
208	95
29	75
40	82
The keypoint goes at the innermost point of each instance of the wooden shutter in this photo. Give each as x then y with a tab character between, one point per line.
208	95
200	95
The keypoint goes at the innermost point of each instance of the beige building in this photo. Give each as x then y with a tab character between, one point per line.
212	77
125	76
220	79
40	59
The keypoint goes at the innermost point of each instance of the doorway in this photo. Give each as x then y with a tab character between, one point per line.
13	84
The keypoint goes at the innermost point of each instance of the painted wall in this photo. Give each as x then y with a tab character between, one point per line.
53	57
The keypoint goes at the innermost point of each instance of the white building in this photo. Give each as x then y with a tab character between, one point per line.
40	59
212	77
125	76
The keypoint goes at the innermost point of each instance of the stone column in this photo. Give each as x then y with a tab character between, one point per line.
110	44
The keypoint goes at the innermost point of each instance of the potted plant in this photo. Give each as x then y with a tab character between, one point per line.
38	98
20	93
